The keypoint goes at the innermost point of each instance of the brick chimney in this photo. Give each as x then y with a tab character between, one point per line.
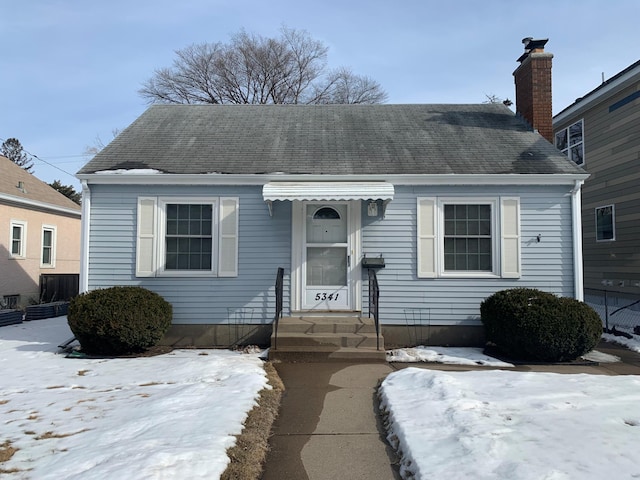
533	87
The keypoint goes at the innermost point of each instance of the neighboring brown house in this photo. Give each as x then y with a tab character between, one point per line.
601	132
39	234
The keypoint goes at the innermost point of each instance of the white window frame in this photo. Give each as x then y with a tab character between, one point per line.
613	223
151	232
505	237
162	225
23	240
53	230
567	149
492	202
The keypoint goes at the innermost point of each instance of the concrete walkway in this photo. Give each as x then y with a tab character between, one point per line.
329	427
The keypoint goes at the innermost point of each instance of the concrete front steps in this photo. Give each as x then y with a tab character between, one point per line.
325	339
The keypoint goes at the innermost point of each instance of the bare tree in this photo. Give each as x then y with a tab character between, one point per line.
495	99
291	68
346	87
13	150
98	144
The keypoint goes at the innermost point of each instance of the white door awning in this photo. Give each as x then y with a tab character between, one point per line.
319	191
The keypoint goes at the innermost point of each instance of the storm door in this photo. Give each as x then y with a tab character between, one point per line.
326	259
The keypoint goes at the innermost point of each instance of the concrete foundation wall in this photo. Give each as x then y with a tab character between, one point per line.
450	336
217	336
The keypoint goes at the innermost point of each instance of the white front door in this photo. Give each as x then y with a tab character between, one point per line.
327	245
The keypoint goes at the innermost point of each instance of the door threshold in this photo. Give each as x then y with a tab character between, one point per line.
327	313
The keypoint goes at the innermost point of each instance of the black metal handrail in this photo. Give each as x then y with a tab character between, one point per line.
374	304
279	301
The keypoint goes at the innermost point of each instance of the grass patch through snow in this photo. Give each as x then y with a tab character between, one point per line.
246	458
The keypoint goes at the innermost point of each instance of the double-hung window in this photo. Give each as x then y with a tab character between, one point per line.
605	223
468	233
187	236
468	237
48	246
570	141
18	235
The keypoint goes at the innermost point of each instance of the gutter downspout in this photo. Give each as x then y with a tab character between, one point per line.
576	214
84	237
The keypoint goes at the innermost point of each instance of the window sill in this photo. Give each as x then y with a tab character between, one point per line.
468	275
186	274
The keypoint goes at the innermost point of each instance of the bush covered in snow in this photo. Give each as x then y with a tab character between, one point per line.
530	324
119	320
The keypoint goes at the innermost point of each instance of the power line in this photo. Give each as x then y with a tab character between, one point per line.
44	161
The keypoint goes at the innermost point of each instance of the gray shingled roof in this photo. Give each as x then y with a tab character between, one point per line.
332	140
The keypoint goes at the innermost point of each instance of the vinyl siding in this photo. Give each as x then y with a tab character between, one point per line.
264	245
547	265
612	157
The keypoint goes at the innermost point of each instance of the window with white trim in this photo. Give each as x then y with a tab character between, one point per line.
468	237
18	235
48	246
605	223
195	236
570	141
188	238
468	232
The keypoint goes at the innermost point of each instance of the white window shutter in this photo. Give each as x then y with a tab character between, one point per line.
426	237
228	252
146	240
510	228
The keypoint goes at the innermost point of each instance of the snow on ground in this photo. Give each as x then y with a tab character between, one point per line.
168	416
449	355
630	343
505	425
475	356
174	415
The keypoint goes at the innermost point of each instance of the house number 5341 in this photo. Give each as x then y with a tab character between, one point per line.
326	296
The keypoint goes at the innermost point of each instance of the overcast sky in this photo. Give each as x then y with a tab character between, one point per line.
70	70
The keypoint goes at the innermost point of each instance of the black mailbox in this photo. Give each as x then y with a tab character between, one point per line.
373	262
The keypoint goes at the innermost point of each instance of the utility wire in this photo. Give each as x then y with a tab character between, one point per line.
44	161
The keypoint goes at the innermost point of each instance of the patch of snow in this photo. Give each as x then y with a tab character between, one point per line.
630	343
169	416
505	425
600	357
449	355
130	171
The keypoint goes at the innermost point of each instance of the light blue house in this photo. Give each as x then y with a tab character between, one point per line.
446	203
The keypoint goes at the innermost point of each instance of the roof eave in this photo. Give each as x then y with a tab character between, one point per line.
13	200
595	95
261	179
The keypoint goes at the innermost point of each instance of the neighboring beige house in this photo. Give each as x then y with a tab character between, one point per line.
39	234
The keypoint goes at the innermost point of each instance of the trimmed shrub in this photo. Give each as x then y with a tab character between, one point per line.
119	320
529	324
